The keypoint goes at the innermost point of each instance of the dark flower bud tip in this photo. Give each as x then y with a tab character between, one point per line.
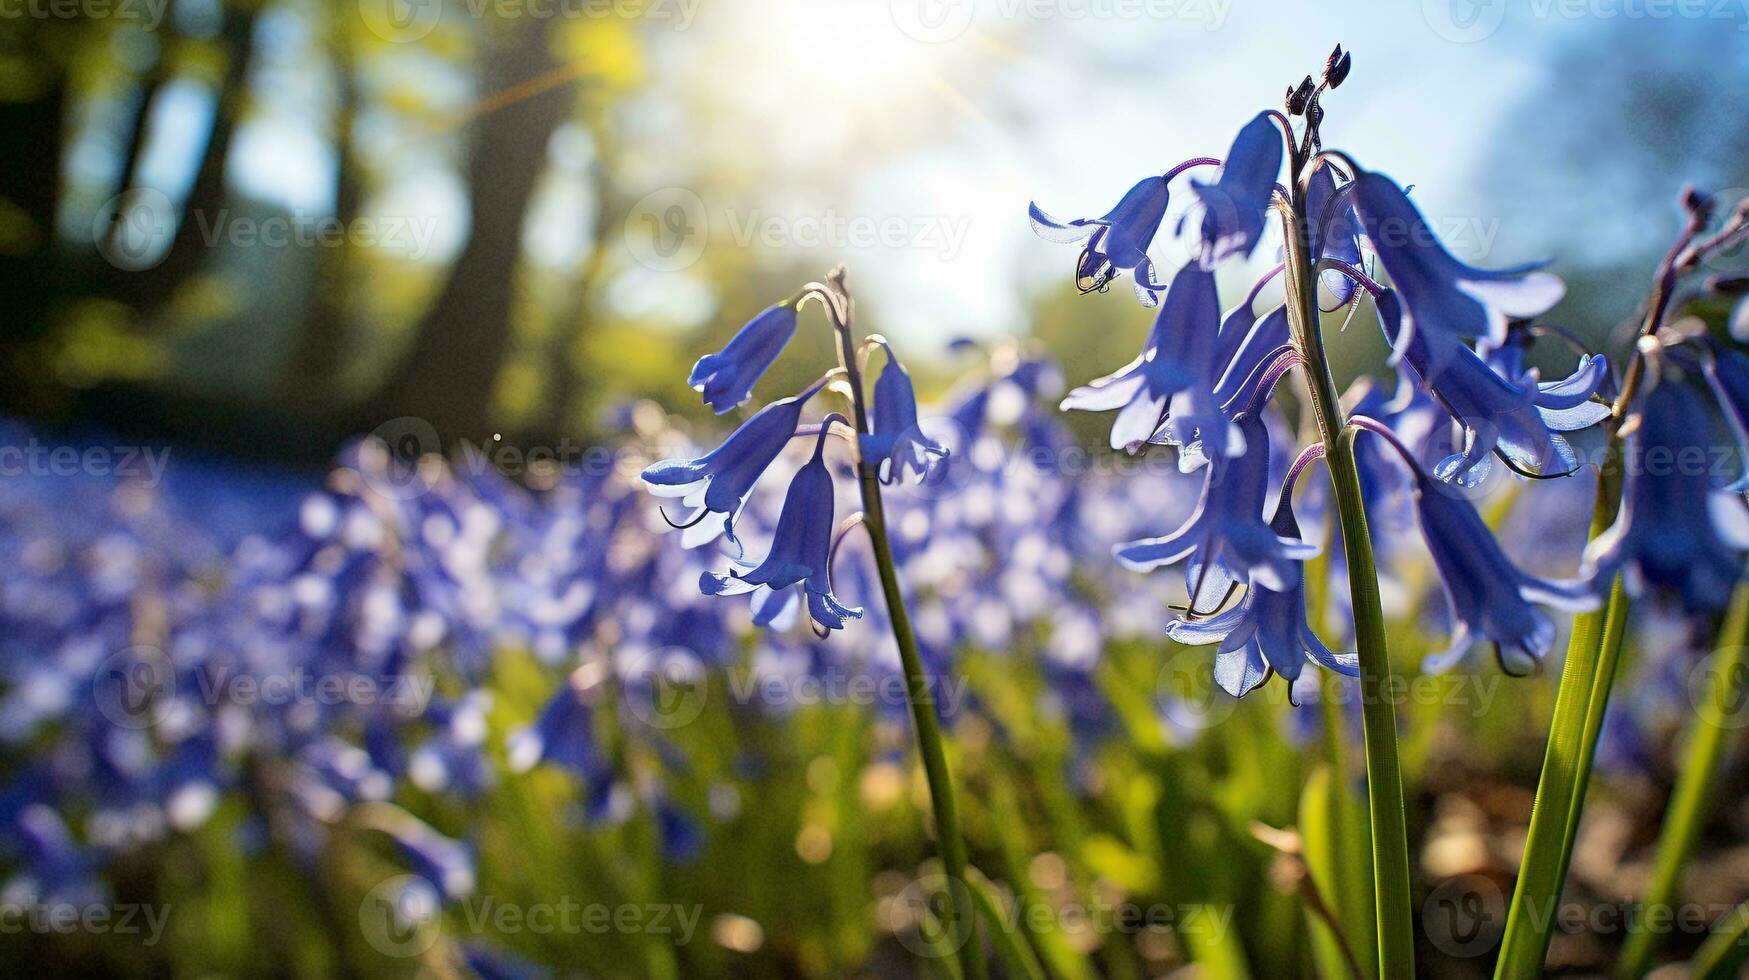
1334	74
1697	203
1736	284
1301	96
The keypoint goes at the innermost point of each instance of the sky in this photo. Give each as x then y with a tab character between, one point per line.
906	137
953	115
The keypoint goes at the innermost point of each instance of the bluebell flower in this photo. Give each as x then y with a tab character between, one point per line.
1178	359
719	481
1487	596
1265	338
1334	230
443	861
726	378
682	839
1514	415
1241	378
1676	532
1226	536
564	732
1440	293
897	441
1267	631
1115	242
54	868
1727	375
1385	484
493	963
801	547
1237	203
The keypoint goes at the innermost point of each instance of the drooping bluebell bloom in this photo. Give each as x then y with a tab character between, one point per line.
727	377
564	732
495	963
1237	203
1514	415
1439	293
1178	357
1727	375
1676	531
1267	631
682	838
443	861
1264	338
1385	484
1245	384
1334	230
801	547
1226	535
54	868
1115	242
1487	596
897	441
720	480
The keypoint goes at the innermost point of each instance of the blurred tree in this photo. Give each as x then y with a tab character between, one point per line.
314	370
34	102
448	374
1620	125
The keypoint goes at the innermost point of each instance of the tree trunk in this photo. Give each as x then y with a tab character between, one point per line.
314	369
34	273
149	289
448	373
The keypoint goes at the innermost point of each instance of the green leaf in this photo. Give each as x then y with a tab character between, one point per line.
1592	655
1010	946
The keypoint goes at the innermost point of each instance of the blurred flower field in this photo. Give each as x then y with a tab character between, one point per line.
436	721
809	488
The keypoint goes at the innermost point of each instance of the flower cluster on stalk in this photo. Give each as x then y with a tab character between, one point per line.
1456	335
797	570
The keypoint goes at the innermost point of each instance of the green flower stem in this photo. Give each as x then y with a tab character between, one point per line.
963	927
1593	652
1699	771
1384	777
1722	956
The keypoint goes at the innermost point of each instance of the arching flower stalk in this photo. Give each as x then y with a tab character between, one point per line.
888	445
1656	527
1204	383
